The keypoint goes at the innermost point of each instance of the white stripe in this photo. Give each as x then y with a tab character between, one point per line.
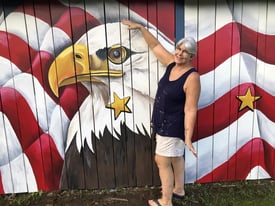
204	19
10	147
50	116
267	128
32	30
1	15
8	70
256	15
240	68
37	33
116	11
258	173
18	176
58	129
55	41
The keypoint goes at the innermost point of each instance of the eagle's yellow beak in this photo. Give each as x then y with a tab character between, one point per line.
75	64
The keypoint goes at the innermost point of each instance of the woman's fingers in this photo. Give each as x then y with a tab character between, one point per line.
191	149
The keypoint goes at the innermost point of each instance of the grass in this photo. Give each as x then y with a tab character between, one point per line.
241	193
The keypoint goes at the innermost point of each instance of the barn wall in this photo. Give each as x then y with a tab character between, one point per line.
77	89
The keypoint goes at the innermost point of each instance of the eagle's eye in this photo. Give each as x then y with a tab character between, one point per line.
78	56
118	54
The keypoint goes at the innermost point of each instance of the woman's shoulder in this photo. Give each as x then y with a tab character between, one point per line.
194	72
171	64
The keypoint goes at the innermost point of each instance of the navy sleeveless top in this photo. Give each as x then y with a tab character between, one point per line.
168	111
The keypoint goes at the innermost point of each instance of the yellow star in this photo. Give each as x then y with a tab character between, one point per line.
247	100
119	105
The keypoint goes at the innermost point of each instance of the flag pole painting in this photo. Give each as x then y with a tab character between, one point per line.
77	89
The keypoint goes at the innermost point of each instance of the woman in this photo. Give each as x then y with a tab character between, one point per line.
174	113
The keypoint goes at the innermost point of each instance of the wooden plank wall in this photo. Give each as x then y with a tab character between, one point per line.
75	135
40	152
234	136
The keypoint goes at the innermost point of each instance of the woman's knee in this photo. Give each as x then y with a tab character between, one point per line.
157	159
162	161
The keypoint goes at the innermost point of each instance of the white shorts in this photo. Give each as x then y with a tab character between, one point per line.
169	146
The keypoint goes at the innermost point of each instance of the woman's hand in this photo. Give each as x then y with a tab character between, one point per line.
189	145
164	56
131	25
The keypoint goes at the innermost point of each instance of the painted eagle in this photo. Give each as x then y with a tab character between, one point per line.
120	72
58	100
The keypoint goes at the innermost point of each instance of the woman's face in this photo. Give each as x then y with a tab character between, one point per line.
181	55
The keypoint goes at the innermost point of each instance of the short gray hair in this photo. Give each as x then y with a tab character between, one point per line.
189	43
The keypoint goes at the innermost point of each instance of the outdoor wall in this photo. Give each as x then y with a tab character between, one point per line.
77	89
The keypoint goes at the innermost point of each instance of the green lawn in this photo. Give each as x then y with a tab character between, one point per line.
242	193
245	193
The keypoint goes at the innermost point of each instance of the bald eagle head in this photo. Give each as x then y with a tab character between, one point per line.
116	66
106	51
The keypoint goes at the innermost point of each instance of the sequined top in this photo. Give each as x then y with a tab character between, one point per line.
168	111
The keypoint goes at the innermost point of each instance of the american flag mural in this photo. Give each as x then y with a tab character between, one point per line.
74	80
235	135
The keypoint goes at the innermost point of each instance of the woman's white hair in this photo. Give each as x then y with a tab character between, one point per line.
189	43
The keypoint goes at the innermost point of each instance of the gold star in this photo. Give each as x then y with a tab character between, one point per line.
119	105
247	100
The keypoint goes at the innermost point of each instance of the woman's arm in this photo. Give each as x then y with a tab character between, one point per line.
192	90
161	53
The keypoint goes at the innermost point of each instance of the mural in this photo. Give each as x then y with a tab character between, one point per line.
235	138
77	89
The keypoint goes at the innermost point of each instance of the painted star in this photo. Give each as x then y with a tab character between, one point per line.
247	100
119	105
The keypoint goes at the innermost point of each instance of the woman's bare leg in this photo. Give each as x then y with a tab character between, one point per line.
167	179
178	167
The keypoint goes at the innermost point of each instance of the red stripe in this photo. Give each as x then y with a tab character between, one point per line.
257	44
266	103
269	154
47	10
39	69
252	154
75	22
216	48
27	130
225	110
46	163
1	185
71	97
16	50
231	39
20	115
154	12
